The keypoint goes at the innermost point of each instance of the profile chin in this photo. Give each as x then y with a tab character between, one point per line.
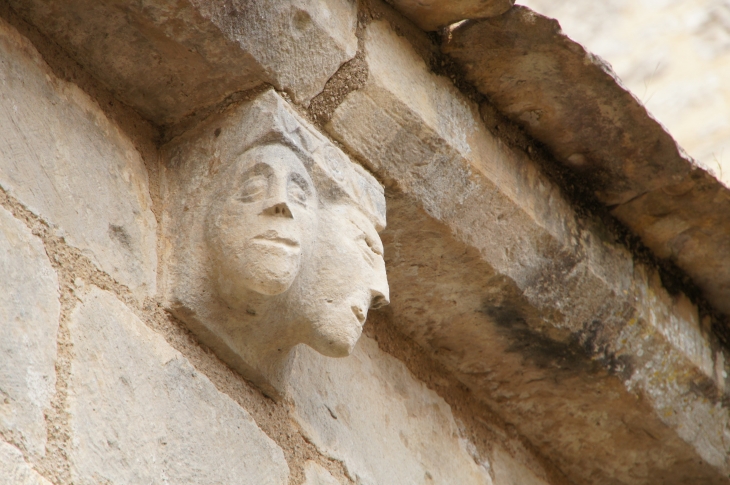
340	343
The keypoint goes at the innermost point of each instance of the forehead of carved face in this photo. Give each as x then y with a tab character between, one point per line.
263	222
351	280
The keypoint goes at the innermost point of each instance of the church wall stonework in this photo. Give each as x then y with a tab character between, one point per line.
113	389
68	164
320	265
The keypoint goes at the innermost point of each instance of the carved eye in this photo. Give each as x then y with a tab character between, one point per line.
254	188
367	252
375	245
369	248
298	189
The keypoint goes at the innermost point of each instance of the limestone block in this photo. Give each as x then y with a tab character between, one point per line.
14	470
273	239
684	93
572	101
29	312
432	14
316	475
299	43
416	127
173	58
65	161
387	427
140	413
523	299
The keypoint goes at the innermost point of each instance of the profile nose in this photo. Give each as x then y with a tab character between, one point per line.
379	301
379	293
280	209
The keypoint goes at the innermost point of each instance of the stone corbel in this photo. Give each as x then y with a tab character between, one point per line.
271	239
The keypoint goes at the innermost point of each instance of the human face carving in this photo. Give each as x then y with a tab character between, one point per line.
351	280
263	222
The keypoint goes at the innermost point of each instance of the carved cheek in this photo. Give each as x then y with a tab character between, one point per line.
305	218
242	215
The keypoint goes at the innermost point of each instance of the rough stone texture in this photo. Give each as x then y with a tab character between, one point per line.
370	412
569	99
300	43
541	313
14	470
317	475
672	55
572	101
432	14
29	312
140	413
172	57
509	471
65	161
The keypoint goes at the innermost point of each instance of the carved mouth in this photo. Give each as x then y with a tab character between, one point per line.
271	237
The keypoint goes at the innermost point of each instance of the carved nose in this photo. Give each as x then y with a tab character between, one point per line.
379	300
279	210
379	290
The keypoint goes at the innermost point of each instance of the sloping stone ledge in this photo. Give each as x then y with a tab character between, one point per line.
572	101
547	319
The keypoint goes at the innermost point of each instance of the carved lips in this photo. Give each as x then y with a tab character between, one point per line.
273	238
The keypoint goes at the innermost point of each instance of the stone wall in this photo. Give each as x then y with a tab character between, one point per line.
100	385
525	343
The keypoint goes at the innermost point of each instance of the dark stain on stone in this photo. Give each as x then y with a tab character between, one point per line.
584	352
120	234
538	349
596	340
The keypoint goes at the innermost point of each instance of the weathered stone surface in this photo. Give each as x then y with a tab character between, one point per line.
370	412
29	312
571	101
140	413
316	475
65	161
172	58
299	43
273	238
509	471
432	14
673	56
14	470
540	312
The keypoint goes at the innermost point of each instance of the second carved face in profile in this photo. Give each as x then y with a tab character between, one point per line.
263	223
350	281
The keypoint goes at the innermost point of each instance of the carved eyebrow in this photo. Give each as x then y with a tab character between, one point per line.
260	168
373	243
301	181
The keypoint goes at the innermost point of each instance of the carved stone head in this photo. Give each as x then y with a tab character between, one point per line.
261	223
272	239
351	280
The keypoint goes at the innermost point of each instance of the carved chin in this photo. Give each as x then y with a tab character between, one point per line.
271	271
336	337
265	269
